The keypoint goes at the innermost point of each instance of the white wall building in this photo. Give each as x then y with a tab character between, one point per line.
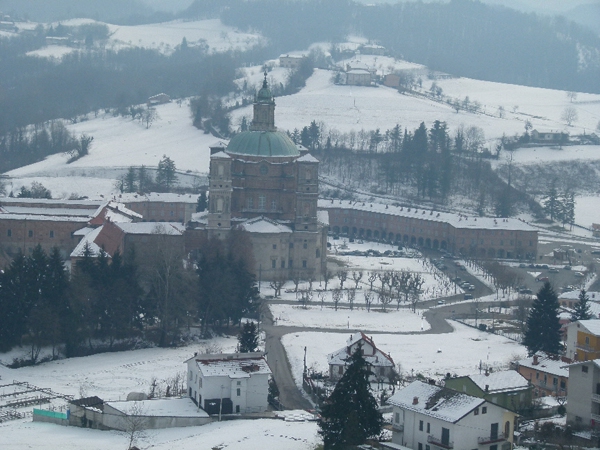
382	364
428	417
583	397
229	383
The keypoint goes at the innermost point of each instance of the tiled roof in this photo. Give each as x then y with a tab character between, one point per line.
237	367
506	380
379	359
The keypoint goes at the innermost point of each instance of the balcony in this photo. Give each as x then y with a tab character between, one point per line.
596	418
439	443
399	427
489	439
587	348
596	398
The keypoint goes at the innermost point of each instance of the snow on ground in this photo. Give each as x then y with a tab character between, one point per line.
64	187
111	376
247	434
359	318
587	210
540	155
355	107
432	355
52	51
120	142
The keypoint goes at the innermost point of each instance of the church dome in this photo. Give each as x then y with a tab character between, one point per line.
263	143
264	94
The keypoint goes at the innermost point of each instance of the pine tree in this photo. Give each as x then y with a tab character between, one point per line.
165	174
202	202
543	326
581	310
350	415
551	202
248	338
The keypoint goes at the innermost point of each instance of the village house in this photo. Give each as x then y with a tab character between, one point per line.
381	364
229	383
161	207
583	340
570	298
291	61
547	374
549	136
372	49
507	388
426	416
583	398
158	99
359	74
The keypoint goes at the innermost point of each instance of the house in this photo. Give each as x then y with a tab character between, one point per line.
158	99
381	363
291	61
546	373
583	398
570	298
507	388
160	207
583	340
358	73
229	383
550	136
596	229
372	49
426	416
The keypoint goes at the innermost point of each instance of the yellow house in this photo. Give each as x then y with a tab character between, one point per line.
583	340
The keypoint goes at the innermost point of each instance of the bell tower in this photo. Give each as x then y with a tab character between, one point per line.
264	110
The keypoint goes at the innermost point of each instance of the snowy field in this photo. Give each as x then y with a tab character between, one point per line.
347	108
357	319
51	51
432	355
587	210
247	434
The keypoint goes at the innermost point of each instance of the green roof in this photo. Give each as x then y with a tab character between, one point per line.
263	143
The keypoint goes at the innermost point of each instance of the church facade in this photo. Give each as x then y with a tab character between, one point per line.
268	186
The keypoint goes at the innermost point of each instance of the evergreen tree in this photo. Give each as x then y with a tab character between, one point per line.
248	338
581	310
551	202
350	415
165	174
144	180
130	179
202	202
543	326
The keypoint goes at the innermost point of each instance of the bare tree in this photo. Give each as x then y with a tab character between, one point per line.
569	115
305	297
342	276
336	296
572	96
149	116
416	283
357	276
327	276
371	278
384	298
296	280
134	424
351	297
322	295
276	285
369	297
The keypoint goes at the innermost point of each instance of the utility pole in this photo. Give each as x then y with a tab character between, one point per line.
221	403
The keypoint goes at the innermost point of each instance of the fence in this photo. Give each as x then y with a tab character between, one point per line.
43	415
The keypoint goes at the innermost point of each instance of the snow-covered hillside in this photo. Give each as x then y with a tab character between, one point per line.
347	108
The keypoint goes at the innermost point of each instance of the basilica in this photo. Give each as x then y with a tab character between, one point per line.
263	183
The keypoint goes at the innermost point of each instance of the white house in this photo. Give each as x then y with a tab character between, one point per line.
429	417
382	364
229	383
583	397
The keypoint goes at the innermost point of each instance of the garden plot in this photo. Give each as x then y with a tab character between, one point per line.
433	355
393	320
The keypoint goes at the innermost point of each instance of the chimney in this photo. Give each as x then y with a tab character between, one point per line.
415	400
535	360
487	387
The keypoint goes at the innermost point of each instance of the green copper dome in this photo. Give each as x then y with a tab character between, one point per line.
264	95
263	143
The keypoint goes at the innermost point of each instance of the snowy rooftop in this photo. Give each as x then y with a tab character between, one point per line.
165	407
264	225
506	380
380	359
26	210
89	240
19	200
157	197
308	158
237	365
434	401
323	217
220	155
170	228
546	364
574	295
42	218
456	220
592	325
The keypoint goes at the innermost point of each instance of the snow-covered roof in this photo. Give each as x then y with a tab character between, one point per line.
44	218
115	212
574	295
46	201
28	210
355	64
592	325
236	365
359	72
169	228
264	225
456	220
323	217
165	197
164	407
88	239
308	158
379	359
220	155
434	401
497	382
546	364
83	231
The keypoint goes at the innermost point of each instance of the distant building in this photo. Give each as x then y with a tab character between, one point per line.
158	99
291	61
372	49
382	364
583	340
583	398
161	207
596	229
235	383
548	375
549	136
58	40
359	73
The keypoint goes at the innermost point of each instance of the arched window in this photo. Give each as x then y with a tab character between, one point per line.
220	170
219	205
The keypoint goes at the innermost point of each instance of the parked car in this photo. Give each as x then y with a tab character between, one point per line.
522	265
567	267
526	291
468	296
471	287
553	270
579	274
542	279
441	302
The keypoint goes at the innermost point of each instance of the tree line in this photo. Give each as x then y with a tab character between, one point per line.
110	303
